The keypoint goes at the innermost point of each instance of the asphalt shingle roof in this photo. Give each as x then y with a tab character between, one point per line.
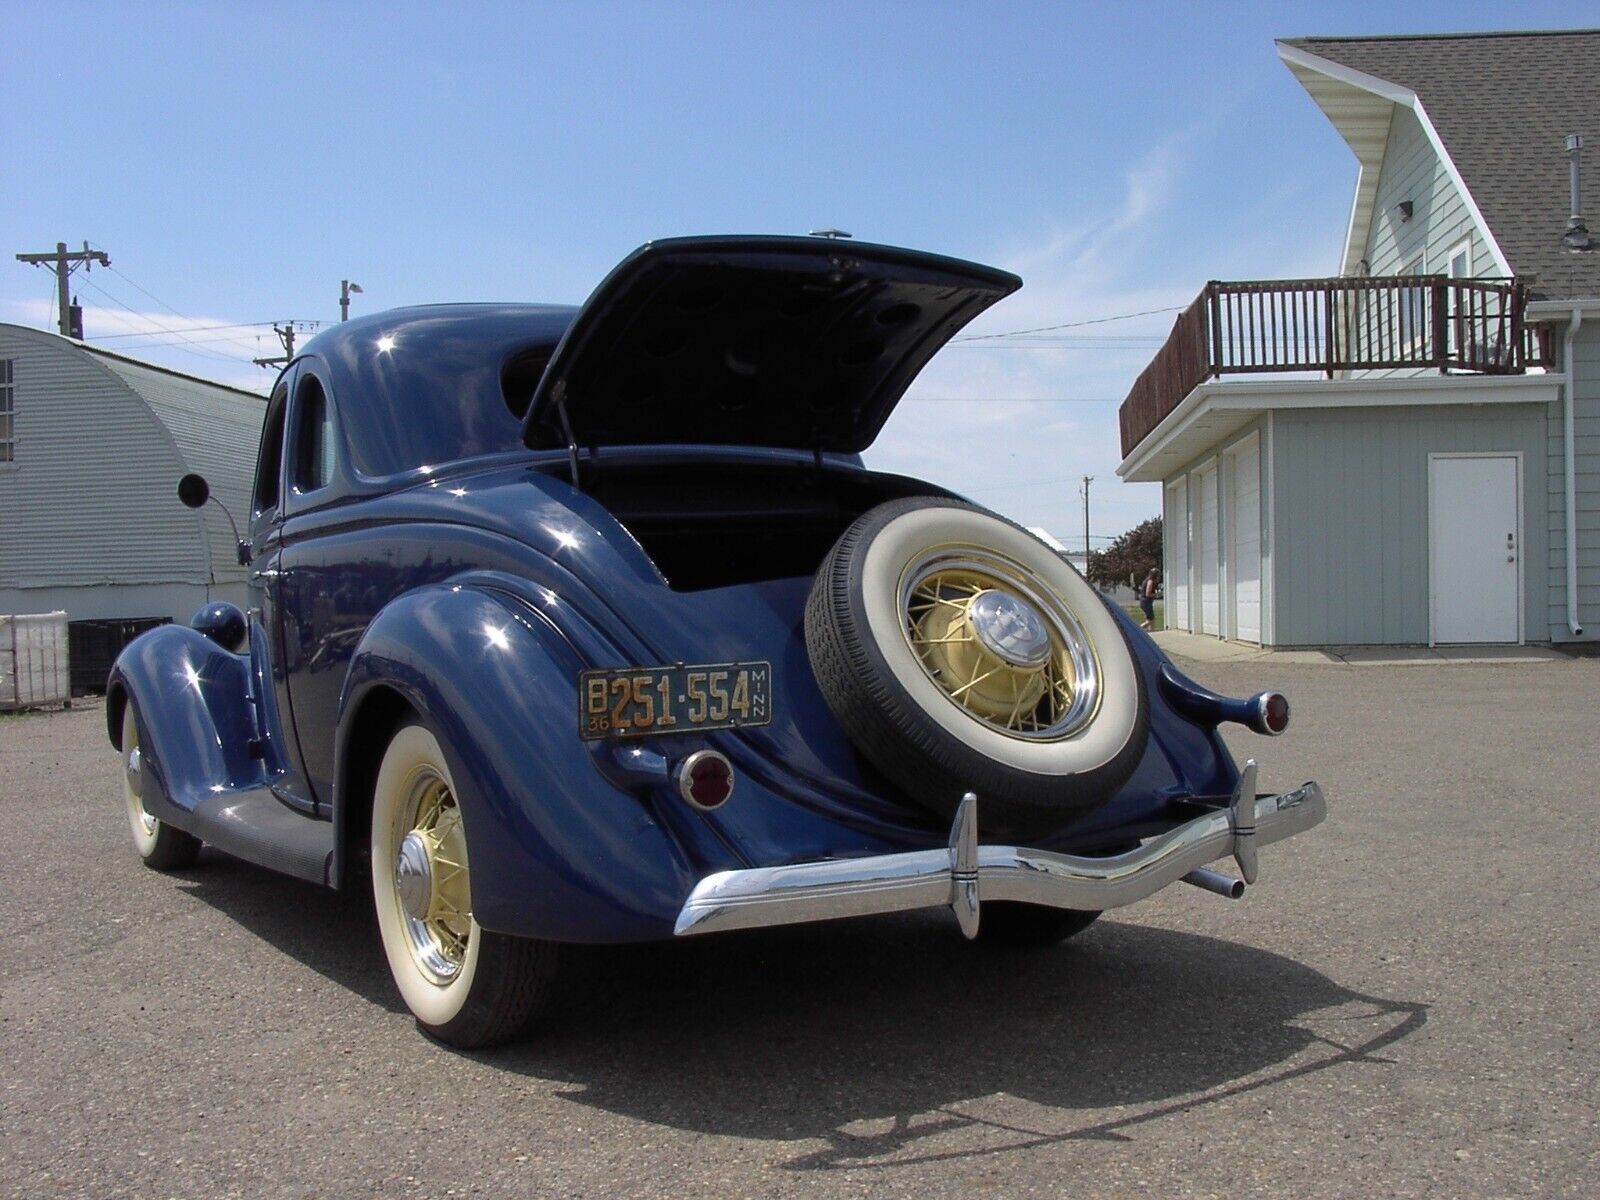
1503	104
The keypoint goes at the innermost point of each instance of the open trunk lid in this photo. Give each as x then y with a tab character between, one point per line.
792	342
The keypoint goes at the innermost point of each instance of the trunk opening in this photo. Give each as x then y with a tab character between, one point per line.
714	524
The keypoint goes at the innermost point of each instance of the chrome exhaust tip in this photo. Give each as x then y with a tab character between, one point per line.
1208	880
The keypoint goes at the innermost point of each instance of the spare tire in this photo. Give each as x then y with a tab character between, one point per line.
962	654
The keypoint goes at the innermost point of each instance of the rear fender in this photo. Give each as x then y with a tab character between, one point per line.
197	720
558	851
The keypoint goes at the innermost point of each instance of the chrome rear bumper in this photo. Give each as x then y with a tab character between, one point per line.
968	873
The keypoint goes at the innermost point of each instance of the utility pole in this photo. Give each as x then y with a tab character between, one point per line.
64	262
285	333
1087	480
345	290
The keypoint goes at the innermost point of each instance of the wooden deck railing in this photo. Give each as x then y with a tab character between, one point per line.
1407	322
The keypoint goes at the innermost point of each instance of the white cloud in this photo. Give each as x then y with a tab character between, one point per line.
1049	416
1026	458
216	348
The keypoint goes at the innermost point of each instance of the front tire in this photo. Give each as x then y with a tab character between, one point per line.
160	846
465	986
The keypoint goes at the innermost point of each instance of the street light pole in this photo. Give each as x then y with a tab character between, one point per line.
345	289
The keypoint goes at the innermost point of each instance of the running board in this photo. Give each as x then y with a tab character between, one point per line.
258	827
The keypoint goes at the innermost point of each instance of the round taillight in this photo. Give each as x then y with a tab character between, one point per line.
705	780
1274	710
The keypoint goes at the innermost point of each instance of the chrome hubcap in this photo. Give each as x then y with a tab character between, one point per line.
133	779
430	880
1009	629
413	877
133	768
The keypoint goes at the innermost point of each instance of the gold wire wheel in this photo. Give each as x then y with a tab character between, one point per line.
1000	643
430	875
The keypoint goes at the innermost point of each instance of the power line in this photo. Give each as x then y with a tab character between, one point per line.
1124	344
163	340
106	337
190	342
1022	483
1149	312
134	283
1012	400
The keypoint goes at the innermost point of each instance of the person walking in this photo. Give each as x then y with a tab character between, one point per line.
1147	597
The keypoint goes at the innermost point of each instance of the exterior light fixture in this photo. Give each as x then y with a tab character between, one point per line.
346	288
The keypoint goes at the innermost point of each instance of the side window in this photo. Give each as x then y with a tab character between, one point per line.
271	456
313	438
8	412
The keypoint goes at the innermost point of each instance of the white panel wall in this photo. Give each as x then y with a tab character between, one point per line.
1176	531
1206	551
1244	522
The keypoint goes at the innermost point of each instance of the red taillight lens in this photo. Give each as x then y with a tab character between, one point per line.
1275	712
705	779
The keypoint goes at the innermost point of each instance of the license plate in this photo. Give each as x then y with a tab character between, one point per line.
646	701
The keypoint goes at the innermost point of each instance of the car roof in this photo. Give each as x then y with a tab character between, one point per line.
424	385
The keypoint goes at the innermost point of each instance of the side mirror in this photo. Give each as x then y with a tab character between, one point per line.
193	490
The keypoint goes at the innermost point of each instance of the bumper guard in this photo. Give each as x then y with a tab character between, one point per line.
968	873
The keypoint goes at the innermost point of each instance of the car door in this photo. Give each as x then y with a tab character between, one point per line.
333	581
266	586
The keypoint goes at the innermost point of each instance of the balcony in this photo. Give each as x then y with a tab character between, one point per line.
1334	327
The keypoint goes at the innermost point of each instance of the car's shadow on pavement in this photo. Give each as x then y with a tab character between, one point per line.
333	933
799	1033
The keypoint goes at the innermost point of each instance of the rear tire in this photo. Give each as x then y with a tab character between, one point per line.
465	986
160	846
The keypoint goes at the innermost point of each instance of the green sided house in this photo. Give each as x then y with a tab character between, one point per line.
1407	452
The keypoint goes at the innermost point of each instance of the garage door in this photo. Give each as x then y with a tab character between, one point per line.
1245	539
1205	551
1177	537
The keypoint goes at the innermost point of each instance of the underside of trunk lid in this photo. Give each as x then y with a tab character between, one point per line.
794	342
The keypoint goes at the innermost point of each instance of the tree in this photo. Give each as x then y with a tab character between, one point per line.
1129	558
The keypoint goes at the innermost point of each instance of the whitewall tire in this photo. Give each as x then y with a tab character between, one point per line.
963	654
466	986
161	846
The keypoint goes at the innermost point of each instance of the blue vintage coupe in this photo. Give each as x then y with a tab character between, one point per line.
588	625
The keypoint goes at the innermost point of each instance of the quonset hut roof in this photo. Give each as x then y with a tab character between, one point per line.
95	493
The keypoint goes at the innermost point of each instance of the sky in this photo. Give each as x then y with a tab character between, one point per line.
238	161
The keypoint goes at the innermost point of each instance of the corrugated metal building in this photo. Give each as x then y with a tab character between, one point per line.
92	445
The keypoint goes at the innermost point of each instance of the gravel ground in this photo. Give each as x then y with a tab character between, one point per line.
1405	1006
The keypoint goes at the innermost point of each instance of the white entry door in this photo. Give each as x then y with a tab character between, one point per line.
1205	552
1177	537
1475	550
1244	540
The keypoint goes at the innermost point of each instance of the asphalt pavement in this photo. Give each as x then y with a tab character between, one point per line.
1406	1005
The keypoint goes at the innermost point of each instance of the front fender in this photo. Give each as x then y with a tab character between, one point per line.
197	721
557	851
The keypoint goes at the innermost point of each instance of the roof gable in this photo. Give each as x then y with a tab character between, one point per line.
1499	106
